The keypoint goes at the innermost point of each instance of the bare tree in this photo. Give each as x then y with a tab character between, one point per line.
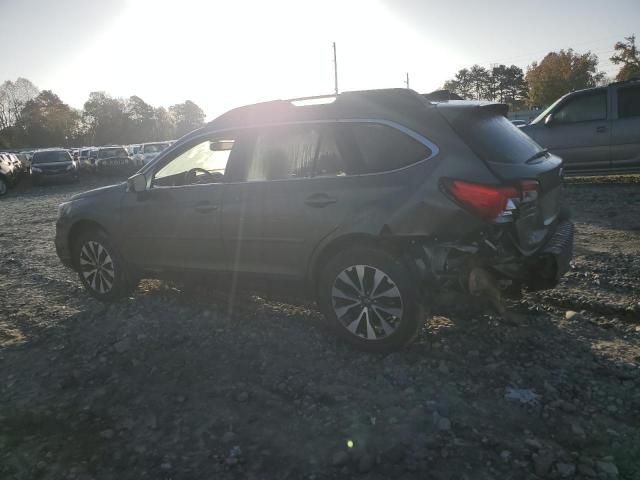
13	97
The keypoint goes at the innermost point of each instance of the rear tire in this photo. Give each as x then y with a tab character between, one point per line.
370	299
101	269
4	188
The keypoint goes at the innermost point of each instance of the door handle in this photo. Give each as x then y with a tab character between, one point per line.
205	207
320	200
601	129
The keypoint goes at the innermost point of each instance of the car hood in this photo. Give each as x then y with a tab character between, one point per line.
109	190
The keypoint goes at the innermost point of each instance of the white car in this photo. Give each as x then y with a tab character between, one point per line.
149	151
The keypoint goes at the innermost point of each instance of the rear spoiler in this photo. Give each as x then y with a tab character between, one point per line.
454	109
498	108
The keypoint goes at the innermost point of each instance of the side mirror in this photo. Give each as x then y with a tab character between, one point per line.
137	183
548	120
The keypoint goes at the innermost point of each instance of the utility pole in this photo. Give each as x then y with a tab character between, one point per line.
406	82
335	68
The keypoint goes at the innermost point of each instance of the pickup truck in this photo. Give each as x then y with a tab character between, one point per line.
595	131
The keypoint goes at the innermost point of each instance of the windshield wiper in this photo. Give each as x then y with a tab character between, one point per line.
537	155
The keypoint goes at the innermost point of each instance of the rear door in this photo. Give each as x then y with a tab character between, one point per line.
304	183
579	132
625	128
268	223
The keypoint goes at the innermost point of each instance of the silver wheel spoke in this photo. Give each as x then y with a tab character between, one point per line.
371	333
393	292
353	326
385	325
360	275
344	276
88	273
108	283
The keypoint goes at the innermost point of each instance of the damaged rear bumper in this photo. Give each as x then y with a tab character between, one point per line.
542	269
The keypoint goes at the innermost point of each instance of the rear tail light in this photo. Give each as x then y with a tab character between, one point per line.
493	202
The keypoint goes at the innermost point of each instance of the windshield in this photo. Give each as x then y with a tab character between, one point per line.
112	152
495	139
155	147
51	157
546	112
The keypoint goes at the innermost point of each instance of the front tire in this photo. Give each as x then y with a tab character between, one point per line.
370	299
101	269
3	187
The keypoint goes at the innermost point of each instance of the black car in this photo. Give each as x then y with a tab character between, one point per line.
372	202
114	160
53	165
9	173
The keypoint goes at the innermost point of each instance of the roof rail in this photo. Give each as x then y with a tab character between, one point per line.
314	97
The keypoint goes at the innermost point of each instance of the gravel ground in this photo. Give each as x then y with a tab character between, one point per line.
167	385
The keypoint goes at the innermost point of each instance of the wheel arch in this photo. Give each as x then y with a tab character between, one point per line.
332	247
80	227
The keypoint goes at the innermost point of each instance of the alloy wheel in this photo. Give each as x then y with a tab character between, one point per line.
367	302
96	266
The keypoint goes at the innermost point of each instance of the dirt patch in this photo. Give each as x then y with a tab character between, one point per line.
168	385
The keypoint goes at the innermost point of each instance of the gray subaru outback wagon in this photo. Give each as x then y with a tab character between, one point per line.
371	201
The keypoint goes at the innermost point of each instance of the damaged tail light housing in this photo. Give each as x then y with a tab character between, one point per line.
493	202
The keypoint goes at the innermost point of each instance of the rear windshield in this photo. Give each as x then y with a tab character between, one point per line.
51	157
155	147
112	152
495	139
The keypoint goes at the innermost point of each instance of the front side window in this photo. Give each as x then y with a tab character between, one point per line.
383	148
629	102
283	153
583	108
203	163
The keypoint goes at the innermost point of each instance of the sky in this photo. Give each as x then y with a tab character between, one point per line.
223	54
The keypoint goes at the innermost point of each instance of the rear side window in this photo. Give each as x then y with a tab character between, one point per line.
583	108
283	153
383	148
629	102
494	138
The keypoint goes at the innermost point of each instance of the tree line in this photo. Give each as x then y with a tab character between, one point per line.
33	118
544	82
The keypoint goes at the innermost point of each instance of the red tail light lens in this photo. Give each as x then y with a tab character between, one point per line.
492	201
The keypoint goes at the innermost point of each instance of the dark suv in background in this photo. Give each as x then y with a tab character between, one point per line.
372	201
114	160
52	165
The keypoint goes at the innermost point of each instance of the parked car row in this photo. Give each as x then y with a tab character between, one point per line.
127	157
13	166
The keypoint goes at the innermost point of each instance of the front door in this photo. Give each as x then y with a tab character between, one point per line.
175	223
580	132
